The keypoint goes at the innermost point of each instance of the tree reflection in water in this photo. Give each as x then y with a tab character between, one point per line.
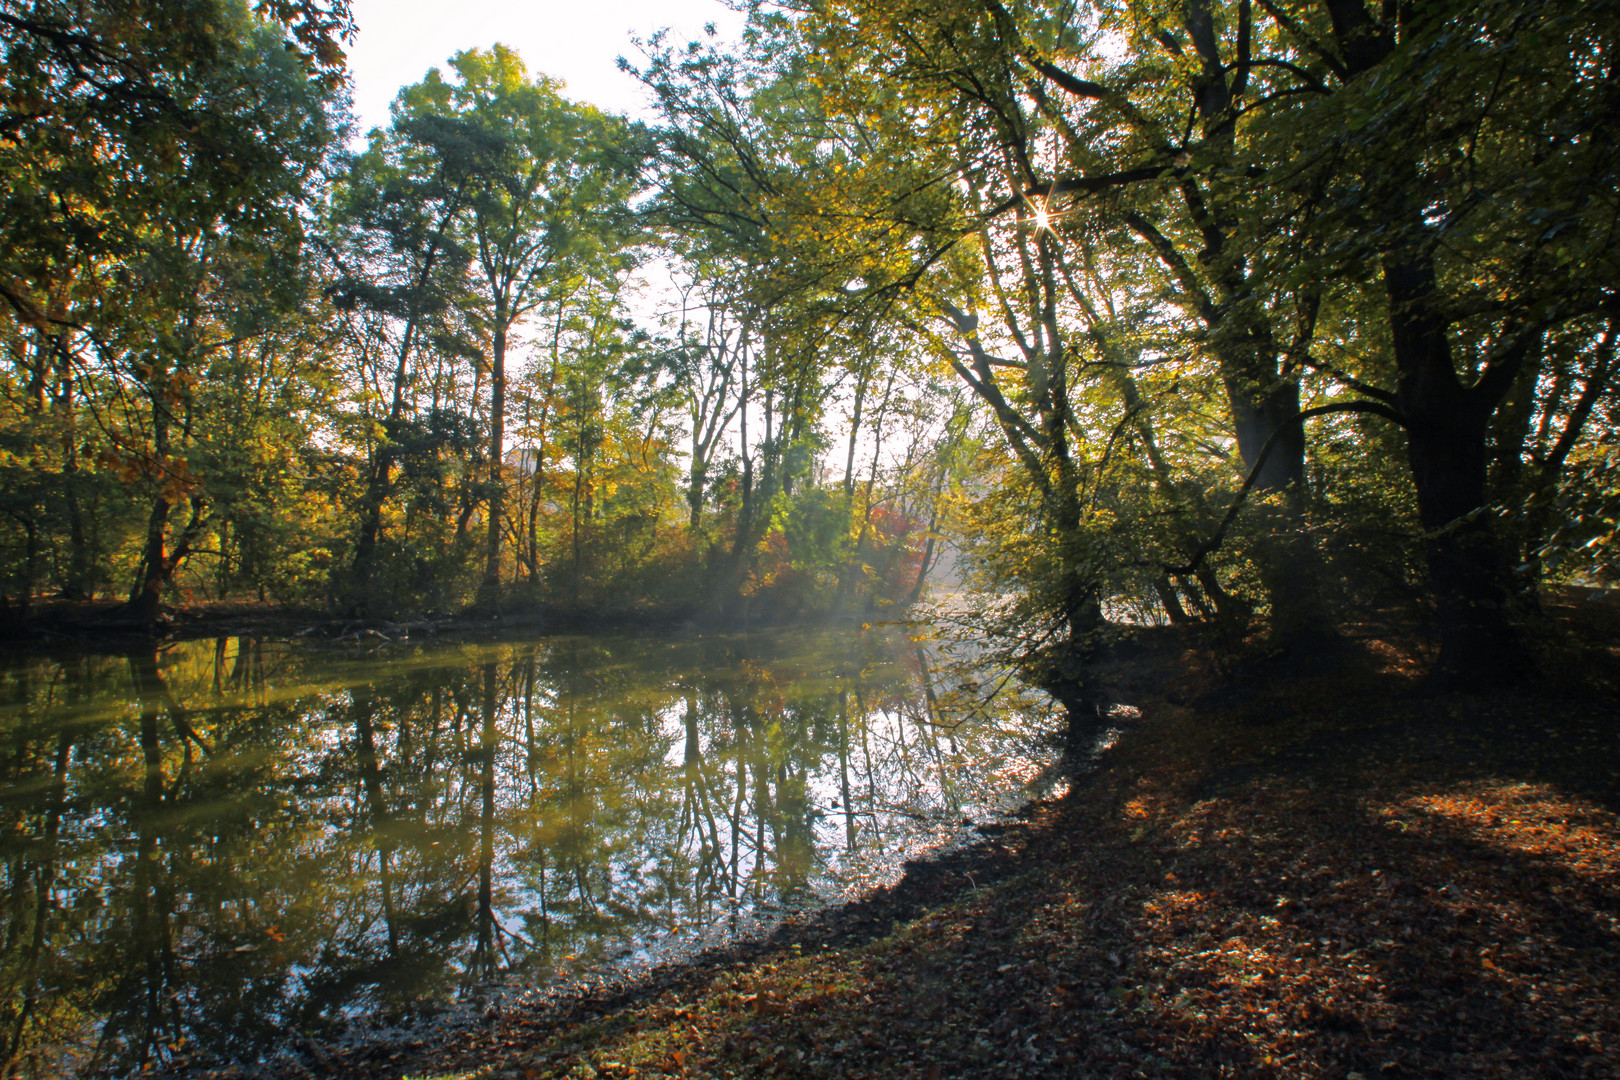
210	847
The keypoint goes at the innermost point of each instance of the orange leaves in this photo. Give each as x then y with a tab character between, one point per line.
1534	819
173	475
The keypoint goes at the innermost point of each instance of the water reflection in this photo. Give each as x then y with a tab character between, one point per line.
209	848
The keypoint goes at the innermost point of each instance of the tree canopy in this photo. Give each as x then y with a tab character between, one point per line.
1238	314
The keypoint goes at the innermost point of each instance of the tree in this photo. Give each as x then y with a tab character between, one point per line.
102	113
144	190
742	135
1263	156
1466	152
544	194
706	366
403	274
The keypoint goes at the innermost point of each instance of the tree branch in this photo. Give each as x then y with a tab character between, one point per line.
1208	547
1595	384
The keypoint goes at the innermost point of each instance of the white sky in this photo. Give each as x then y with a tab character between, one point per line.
576	41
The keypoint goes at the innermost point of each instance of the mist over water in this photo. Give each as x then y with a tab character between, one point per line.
214	847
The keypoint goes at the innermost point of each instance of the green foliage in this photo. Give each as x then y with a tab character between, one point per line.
1582	543
154	191
1217	314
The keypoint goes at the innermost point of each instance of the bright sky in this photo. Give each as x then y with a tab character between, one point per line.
576	41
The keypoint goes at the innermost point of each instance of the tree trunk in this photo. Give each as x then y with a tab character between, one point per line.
377	483
852	565
534	510
371	512
854	433
1263	400
1071	679
30	563
574	512
1065	671
1265	404
497	438
147	596
697	478
1257	413
77	584
723	589
926	563
1470	572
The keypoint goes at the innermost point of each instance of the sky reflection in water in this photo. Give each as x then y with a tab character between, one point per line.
212	846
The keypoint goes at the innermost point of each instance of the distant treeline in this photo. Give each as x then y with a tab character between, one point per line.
1231	314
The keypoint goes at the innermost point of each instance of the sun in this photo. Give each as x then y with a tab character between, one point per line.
1043	220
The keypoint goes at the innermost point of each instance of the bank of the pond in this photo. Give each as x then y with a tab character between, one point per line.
98	624
87	623
1312	871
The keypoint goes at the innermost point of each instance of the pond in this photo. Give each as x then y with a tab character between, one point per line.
214	846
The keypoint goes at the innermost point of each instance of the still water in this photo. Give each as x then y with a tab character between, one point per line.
212	847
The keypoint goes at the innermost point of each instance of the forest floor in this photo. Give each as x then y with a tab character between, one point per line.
1293	870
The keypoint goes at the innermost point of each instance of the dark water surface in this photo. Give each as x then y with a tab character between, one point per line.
212	847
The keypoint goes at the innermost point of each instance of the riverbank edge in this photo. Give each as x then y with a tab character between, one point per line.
101	626
838	992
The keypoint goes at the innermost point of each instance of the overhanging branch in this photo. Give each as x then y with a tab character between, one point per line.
1210	546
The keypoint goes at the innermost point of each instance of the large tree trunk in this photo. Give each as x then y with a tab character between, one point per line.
1263	409
1470	571
1263	400
1068	672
